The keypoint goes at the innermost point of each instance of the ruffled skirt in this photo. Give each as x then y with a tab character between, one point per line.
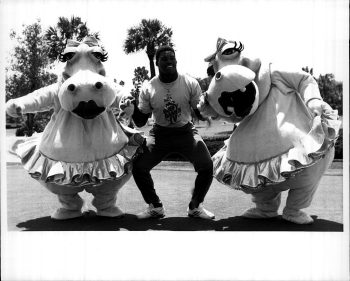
45	169
254	176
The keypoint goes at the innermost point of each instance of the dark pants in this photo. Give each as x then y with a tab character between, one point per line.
163	141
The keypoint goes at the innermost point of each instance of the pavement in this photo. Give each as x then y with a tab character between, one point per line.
29	204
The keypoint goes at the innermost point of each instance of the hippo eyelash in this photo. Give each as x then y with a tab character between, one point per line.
66	57
102	57
238	47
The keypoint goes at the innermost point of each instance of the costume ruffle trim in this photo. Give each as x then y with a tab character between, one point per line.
45	169
252	176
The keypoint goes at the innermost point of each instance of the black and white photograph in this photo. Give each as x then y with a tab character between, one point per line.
174	140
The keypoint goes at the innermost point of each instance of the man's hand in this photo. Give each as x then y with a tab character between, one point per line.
14	109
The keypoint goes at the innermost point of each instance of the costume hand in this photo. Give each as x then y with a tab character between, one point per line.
127	106
14	109
318	106
205	109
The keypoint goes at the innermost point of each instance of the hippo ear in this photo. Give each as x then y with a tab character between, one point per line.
252	64
91	41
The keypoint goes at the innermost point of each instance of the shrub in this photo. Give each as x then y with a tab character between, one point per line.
339	146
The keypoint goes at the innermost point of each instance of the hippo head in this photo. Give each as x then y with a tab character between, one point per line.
228	53
233	93
85	91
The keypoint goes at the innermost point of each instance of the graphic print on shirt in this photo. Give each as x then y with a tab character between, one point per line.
171	110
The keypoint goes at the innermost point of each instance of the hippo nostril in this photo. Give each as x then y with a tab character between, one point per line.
71	87
98	85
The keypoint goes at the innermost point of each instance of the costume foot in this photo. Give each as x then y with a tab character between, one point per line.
255	213
112	212
297	216
65	214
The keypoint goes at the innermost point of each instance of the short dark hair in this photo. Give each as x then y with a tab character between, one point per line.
163	49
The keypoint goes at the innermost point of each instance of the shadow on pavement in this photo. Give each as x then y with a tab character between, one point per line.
91	222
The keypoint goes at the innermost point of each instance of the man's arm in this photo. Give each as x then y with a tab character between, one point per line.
139	118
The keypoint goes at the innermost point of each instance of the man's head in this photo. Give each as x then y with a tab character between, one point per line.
166	60
162	49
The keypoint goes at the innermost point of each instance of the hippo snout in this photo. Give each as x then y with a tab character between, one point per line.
87	94
88	110
73	87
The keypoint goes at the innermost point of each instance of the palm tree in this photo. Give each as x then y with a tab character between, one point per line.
57	36
148	35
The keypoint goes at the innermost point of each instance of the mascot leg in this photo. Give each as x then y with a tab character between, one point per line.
267	202
71	202
105	197
302	189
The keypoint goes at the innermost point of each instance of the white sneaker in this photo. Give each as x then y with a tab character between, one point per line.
201	213
256	213
151	212
112	212
65	214
297	216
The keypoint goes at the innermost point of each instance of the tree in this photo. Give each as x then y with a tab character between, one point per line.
148	36
28	70
330	89
140	75
56	36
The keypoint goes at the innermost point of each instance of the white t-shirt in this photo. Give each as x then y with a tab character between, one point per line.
170	103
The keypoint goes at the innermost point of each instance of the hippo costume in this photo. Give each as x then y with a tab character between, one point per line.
83	147
285	137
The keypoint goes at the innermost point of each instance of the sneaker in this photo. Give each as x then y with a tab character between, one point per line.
201	213
151	212
297	216
256	213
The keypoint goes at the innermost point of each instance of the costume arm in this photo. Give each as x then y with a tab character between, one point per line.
299	81
42	99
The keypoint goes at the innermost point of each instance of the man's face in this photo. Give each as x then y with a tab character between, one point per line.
167	62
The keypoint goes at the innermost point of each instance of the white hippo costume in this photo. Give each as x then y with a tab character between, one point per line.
285	137
83	147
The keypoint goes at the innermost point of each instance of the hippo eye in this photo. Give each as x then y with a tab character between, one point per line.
229	51
238	47
100	56
218	75
66	57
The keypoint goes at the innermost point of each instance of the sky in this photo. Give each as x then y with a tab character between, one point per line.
292	33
